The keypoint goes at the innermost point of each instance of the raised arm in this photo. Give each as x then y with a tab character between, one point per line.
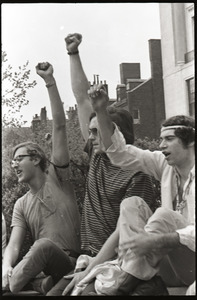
60	154
123	155
99	101
79	82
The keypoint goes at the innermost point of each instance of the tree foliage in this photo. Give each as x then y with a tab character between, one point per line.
15	84
147	143
79	160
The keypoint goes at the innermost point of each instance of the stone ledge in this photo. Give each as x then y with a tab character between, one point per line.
22	293
177	290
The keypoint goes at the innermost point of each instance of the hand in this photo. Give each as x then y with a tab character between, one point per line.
141	244
76	278
7	273
45	70
72	41
99	97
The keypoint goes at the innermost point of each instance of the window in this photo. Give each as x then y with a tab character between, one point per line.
136	116
189	56
190	27
191	96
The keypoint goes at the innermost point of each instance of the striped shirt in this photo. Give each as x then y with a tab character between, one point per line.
106	187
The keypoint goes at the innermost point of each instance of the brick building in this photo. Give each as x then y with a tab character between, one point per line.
144	99
39	121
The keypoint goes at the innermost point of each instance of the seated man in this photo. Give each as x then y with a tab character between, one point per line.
49	209
106	185
144	238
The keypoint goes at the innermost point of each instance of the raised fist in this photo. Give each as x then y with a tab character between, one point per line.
72	41
98	96
45	70
43	66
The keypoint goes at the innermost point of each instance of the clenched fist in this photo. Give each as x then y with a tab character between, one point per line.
72	41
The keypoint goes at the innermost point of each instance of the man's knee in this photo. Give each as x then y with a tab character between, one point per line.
42	248
136	206
42	245
161	221
162	213
132	202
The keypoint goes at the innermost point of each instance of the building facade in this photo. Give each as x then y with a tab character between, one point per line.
177	44
39	121
144	99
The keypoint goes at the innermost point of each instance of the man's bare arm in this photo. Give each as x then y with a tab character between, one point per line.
143	242
99	101
79	82
60	153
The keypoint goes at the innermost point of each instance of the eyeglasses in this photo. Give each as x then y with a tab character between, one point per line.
18	159
93	131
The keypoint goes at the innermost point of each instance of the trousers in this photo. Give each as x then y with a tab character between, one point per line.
44	256
58	289
135	215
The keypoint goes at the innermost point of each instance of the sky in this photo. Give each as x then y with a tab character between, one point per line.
113	33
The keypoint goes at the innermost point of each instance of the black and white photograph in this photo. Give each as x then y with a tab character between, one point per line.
98	149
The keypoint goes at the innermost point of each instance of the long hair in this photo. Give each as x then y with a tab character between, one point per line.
34	150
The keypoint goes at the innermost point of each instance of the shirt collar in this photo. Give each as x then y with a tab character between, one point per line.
191	174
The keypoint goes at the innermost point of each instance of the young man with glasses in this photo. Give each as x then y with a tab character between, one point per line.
49	209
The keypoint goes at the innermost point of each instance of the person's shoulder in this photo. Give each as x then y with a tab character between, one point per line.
22	198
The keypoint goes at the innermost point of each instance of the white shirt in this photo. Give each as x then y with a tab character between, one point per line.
154	163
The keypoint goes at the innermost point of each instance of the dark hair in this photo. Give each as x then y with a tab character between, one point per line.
35	150
186	134
123	120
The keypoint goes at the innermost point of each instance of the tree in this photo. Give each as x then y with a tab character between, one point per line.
14	88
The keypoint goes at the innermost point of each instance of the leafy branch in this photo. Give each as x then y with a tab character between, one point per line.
15	84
